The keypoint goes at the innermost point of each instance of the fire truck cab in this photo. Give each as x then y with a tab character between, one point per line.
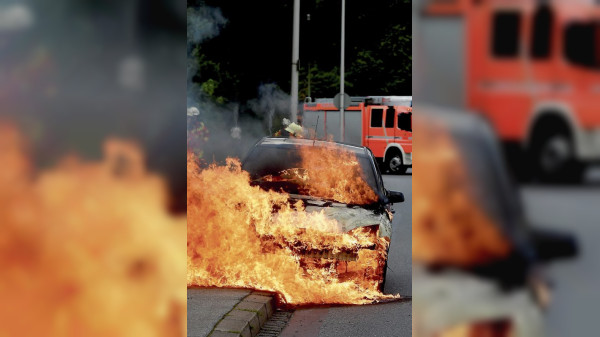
532	69
387	131
381	123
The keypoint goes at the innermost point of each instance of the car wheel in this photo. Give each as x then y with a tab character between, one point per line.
395	164
553	155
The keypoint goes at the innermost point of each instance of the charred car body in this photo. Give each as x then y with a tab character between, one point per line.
284	165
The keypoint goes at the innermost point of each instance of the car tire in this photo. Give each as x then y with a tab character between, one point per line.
553	155
394	163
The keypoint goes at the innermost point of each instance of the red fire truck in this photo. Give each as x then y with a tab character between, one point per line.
532	69
381	123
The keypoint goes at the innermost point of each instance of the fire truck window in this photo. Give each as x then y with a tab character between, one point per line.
505	30
376	118
405	121
580	44
542	31
389	117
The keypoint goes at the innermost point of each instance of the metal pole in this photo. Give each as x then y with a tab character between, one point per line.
342	112
309	81
309	72
295	57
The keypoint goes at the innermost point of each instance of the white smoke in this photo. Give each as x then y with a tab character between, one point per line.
15	17
204	23
131	73
271	102
232	132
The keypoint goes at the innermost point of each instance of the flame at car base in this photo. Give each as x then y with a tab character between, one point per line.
235	239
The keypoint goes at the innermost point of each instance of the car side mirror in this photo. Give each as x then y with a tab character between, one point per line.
554	245
395	197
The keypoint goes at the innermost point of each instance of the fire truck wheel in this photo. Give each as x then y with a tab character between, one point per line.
553	154
394	162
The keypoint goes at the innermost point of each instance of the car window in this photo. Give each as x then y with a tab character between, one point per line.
377	172
272	160
369	175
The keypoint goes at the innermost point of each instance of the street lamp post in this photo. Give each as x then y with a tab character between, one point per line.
295	61
342	109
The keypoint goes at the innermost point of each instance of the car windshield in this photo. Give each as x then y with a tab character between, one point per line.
288	169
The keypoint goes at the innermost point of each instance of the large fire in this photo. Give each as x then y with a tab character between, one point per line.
448	226
242	236
326	164
88	249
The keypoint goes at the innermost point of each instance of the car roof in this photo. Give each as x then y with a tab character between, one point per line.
285	142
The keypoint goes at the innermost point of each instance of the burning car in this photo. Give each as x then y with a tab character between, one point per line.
478	264
341	182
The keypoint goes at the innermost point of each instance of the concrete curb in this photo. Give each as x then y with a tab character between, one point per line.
247	317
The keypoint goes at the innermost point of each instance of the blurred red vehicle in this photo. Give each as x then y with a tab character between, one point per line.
532	70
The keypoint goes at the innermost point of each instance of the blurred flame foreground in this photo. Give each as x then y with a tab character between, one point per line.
451	229
448	226
87	249
242	236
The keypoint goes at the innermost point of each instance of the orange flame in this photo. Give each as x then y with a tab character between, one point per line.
448	226
329	172
235	239
333	173
87	249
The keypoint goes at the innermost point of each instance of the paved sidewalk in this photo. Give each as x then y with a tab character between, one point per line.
206	307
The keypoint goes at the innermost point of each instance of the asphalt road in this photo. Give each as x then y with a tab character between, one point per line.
574	310
384	320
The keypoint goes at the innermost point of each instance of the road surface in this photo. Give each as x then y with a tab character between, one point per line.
574	310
